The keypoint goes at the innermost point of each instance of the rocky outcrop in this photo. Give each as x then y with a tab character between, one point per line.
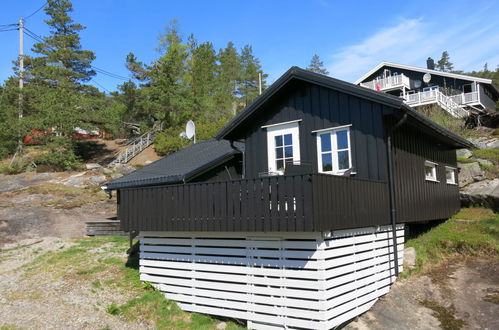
484	193
469	173
478	186
485	143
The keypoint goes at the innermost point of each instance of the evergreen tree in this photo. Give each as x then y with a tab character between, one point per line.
228	76
249	80
316	65
56	77
202	67
444	64
168	75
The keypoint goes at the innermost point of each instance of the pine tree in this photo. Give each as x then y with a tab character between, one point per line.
168	75
444	64
249	80
316	65
202	67
228	76
56	94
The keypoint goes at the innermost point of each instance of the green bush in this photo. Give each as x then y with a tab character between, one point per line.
59	161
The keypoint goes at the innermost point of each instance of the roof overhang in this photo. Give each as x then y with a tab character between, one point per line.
422	70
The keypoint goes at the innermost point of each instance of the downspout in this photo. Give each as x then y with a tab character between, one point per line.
391	190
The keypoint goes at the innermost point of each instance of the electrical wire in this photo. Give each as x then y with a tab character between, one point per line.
36	11
38	38
5	30
99	70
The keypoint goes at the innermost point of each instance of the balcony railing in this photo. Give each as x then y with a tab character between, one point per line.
309	202
390	82
435	96
465	98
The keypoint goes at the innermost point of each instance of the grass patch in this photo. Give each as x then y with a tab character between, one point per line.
446	316
489	154
465	160
453	238
93	261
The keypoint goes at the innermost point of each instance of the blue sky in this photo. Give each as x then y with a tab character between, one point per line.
350	36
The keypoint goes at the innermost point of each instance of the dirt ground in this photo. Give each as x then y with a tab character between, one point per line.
459	294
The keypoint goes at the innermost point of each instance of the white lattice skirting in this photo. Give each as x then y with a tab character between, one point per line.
273	280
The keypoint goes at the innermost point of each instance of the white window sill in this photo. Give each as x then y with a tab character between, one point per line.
452	183
432	180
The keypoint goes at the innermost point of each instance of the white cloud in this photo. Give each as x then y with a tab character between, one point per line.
469	43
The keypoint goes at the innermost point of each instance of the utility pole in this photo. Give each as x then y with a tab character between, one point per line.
21	66
260	83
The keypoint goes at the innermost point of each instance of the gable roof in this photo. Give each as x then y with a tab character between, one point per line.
342	86
423	70
180	166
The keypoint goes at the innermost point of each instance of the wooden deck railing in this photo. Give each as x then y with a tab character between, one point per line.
313	202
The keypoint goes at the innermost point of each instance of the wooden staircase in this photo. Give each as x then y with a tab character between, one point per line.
135	147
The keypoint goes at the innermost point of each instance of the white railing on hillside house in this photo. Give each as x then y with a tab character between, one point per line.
390	82
139	144
466	98
435	96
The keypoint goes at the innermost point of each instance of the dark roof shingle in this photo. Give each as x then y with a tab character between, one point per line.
179	166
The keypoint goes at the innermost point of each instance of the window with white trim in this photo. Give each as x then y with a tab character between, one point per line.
430	171
283	146
450	175
334	151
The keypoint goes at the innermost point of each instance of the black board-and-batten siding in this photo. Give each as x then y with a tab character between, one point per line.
319	107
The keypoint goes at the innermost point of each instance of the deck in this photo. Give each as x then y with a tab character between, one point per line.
292	203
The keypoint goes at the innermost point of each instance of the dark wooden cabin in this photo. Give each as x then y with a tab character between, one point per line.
295	216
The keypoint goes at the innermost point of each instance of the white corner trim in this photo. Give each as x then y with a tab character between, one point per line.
103	187
331	128
283	123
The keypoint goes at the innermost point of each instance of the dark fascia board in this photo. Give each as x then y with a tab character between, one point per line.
311	77
175	178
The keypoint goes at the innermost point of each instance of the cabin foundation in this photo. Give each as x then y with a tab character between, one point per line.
274	280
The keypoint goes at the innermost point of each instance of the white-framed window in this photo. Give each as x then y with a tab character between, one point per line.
450	175
430	171
334	150
283	146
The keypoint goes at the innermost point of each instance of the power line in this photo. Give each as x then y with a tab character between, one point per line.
5	30
36	11
99	70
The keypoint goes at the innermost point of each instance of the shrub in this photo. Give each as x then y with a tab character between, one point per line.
59	161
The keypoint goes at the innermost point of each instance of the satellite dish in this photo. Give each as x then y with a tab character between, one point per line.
427	78
417	83
190	130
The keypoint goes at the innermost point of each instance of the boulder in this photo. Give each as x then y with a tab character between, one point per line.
484	162
463	153
470	172
410	257
96	180
92	166
484	193
124	168
103	170
115	176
